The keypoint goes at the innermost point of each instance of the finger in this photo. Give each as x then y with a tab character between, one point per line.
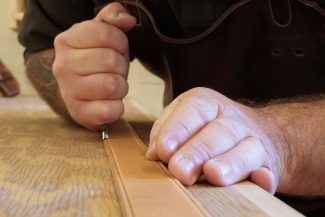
99	87
217	137
237	164
115	14
190	115
264	178
93	34
214	139
95	60
93	114
151	152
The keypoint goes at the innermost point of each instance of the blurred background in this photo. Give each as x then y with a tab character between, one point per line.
145	89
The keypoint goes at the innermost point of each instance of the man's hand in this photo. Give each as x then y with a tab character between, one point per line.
203	132
91	66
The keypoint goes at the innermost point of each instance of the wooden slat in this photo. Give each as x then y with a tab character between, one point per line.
49	167
242	199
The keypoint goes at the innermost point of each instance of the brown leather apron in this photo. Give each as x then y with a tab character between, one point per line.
257	49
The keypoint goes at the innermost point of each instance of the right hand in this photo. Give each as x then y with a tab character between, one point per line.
91	66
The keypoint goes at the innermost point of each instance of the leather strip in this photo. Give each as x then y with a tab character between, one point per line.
145	187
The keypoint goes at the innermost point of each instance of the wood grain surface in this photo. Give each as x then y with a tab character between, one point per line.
49	167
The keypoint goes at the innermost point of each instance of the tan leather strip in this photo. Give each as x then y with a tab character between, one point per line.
145	187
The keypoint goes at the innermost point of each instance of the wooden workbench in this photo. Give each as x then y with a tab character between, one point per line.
50	167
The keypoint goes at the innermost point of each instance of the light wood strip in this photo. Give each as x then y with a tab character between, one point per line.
224	201
242	199
265	201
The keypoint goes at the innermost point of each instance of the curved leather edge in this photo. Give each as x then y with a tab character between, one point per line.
314	5
163	37
275	20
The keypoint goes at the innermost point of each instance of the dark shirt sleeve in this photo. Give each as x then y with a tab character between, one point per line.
321	3
44	19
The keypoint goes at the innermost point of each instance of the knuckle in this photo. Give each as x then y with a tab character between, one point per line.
201	152
182	127
104	116
109	59
102	35
125	88
108	115
87	25
199	103
112	7
227	129
76	110
59	40
124	42
58	66
199	108
199	92
112	88
99	30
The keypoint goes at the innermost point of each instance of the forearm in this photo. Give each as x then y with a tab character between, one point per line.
39	72
298	128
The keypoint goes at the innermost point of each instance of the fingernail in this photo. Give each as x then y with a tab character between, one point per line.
194	178
171	145
123	14
225	170
187	167
151	151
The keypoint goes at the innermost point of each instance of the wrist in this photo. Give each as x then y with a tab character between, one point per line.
273	125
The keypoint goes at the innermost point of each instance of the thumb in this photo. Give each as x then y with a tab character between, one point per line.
115	14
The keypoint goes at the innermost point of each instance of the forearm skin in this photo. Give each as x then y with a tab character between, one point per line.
39	72
299	132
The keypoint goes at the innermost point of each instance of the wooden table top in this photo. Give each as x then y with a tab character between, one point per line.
49	167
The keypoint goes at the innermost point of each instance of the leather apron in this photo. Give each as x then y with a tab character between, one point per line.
257	49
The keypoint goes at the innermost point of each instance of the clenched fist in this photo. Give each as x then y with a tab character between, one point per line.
91	66
204	132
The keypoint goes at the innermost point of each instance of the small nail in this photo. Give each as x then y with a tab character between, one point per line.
171	145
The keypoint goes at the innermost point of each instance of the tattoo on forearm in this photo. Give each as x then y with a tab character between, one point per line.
39	72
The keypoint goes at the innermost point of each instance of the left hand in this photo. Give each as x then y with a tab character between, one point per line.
203	132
